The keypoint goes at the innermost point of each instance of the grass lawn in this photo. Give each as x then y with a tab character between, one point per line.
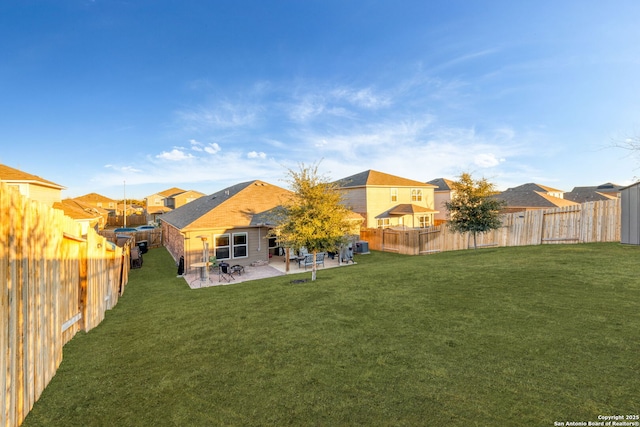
524	336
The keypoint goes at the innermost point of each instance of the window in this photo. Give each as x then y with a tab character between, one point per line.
382	222
425	221
416	195
222	246
99	204
240	245
394	194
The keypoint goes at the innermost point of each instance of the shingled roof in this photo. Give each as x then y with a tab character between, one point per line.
442	184
374	178
12	175
606	191
95	198
532	196
233	206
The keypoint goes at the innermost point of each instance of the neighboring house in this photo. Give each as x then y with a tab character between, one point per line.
87	216
180	199
131	209
605	191
531	197
156	204
385	200
232	222
31	186
443	193
99	201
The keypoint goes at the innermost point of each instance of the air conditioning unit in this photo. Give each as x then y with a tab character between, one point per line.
362	247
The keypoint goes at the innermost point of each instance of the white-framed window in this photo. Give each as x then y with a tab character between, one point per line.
240	245
99	204
382	222
394	194
416	195
425	221
222	246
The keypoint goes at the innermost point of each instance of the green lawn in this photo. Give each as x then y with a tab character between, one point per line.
495	337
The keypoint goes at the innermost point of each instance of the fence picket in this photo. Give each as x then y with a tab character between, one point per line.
40	257
589	222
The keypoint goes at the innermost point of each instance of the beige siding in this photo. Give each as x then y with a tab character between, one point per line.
439	199
355	199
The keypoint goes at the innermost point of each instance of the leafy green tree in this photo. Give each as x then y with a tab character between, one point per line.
472	209
315	218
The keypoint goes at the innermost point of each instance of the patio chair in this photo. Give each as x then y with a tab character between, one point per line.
307	261
213	264
225	272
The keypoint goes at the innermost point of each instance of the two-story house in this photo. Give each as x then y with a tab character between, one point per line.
385	200
174	201
31	186
443	193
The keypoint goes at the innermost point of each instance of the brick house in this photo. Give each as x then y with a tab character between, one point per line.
232	222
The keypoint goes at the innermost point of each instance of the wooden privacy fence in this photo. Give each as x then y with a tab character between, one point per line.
55	282
132	220
584	223
152	237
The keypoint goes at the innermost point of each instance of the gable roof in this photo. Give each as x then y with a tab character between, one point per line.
442	184
78	210
606	191
410	209
171	192
531	199
534	187
187	193
95	198
374	178
12	175
231	207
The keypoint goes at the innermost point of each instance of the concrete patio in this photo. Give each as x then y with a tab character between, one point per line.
275	267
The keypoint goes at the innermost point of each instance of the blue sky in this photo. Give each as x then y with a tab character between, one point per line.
205	94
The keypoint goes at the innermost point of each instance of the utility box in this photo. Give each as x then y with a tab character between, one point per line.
362	247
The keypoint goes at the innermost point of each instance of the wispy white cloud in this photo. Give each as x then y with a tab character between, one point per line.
256	155
174	155
224	115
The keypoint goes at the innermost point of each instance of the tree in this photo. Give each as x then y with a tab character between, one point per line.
472	209
315	218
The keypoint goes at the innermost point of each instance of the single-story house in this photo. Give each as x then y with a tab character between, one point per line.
231	223
606	191
532	196
99	201
86	215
